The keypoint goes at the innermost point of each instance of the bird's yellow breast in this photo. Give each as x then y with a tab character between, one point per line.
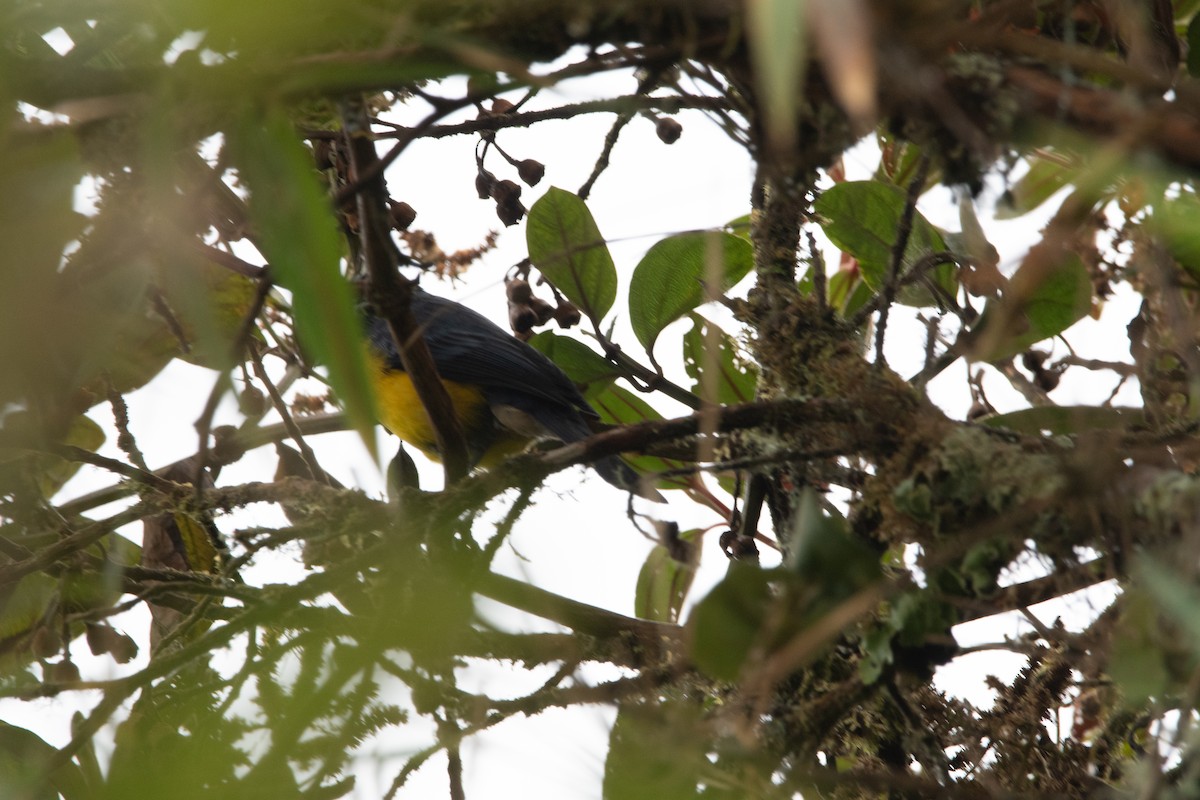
401	412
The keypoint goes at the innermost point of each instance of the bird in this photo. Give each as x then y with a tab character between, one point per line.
505	393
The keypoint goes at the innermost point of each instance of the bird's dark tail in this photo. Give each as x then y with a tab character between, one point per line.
570	427
614	470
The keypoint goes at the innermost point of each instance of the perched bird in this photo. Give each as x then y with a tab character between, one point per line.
505	393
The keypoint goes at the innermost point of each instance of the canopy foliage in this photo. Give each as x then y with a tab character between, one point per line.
208	181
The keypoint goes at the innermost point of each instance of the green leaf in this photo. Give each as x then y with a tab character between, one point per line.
877	654
714	363
1060	420
53	472
680	273
898	160
847	291
1049	293
824	553
619	406
656	750
37	223
583	365
1136	662
19	463
565	244
1177	222
1193	49
209	303
863	217
911	619
739	226
30	601
300	241
25	602
25	763
1186	8
1178	598
663	583
39	178
1062	297
727	622
1049	171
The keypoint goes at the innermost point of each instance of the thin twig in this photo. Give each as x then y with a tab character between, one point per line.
820	290
899	248
306	452
602	161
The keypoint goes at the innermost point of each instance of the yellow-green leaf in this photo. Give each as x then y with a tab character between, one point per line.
566	245
680	273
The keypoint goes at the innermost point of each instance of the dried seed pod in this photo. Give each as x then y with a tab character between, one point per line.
510	212
505	191
484	183
123	648
668	130
227	446
252	401
46	642
62	672
102	639
542	310
521	317
1032	359
97	639
323	154
518	291
1047	379
402	214
567	314
531	171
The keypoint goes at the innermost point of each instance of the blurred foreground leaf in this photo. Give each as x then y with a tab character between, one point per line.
301	243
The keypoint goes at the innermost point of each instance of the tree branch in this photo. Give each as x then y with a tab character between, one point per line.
392	296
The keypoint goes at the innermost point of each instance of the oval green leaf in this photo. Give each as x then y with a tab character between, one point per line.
1049	293
714	363
565	244
727	622
1177	222
741	226
663	584
1193	53
680	273
1049	171
656	749
862	218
